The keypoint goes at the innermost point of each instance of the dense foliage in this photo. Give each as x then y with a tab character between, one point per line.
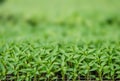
77	45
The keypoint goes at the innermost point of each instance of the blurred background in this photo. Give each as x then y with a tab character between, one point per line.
60	20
